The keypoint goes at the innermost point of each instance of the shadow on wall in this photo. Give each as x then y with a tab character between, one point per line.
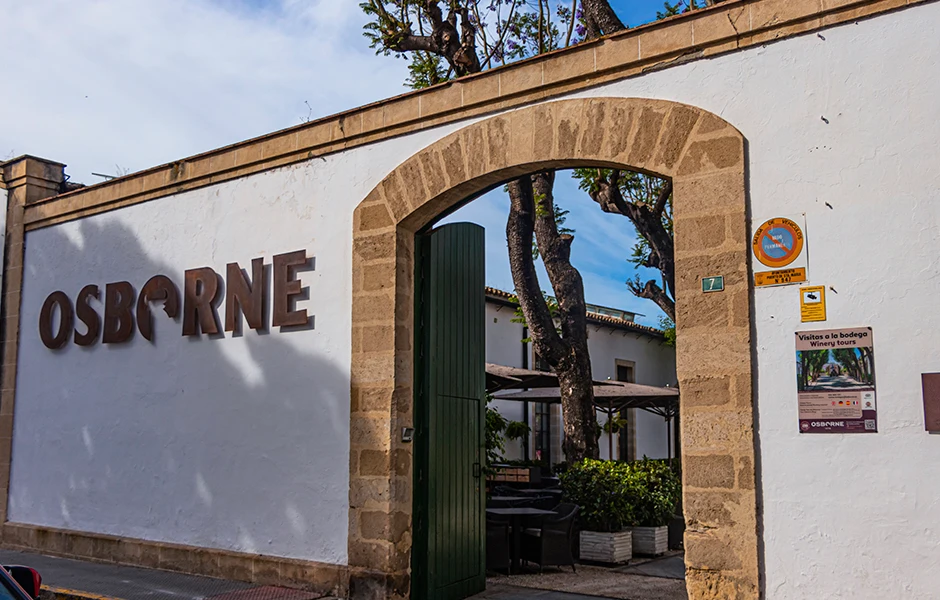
238	442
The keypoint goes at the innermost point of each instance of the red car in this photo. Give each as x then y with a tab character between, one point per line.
19	583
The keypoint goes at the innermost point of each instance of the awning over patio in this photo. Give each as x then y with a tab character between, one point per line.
501	377
611	397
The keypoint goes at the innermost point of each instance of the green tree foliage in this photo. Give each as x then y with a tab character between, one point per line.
675	8
669	330
517	430
493	442
519	316
426	70
497	429
809	367
613	425
444	39
660	491
856	363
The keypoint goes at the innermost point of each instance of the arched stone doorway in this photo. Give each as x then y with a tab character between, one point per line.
705	158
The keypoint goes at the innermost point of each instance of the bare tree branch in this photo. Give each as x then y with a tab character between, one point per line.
503	31
652	291
574	12
664	195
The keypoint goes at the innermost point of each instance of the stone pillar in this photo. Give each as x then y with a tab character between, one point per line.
27	180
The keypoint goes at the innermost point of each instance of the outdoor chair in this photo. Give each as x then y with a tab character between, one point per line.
505	490
545	502
533	524
497	545
550	544
541	502
564	509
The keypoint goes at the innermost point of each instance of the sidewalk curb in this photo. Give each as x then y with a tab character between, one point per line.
55	593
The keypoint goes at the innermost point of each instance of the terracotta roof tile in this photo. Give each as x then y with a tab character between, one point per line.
591	317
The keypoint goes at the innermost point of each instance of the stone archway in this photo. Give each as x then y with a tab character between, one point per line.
705	158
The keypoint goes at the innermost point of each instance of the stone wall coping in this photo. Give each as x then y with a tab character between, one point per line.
727	27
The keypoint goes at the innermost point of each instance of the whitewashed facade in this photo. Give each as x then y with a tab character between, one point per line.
639	351
242	443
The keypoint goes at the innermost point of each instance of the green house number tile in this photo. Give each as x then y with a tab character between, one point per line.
713	284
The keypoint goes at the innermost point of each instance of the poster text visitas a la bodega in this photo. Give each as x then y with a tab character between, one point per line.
834	339
202	295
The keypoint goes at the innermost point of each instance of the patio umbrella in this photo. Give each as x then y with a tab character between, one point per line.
501	377
610	398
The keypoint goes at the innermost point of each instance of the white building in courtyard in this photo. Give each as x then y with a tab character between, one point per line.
621	350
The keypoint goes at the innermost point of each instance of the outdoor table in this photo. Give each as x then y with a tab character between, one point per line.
515	521
540	491
510	498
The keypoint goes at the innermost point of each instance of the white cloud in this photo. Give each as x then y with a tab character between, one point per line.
137	83
99	84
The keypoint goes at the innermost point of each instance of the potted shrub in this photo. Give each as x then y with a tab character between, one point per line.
603	490
657	491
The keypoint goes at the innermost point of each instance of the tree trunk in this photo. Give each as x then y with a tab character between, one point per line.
519	231
578	393
577	405
567	352
601	18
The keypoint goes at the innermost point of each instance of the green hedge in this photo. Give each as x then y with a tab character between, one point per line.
660	492
617	495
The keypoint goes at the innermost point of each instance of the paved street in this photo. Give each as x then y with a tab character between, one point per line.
643	579
66	579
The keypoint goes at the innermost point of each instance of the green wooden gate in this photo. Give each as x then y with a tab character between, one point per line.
448	561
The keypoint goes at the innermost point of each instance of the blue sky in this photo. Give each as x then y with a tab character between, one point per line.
137	84
600	249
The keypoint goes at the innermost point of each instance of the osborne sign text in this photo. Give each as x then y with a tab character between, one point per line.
202	294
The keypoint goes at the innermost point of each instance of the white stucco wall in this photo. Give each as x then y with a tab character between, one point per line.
239	443
842	516
654	364
504	347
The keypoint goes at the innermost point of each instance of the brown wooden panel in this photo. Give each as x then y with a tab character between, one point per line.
931	385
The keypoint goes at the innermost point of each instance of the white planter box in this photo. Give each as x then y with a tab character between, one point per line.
650	541
610	548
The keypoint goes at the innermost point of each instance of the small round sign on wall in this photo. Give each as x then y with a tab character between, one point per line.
778	242
780	252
